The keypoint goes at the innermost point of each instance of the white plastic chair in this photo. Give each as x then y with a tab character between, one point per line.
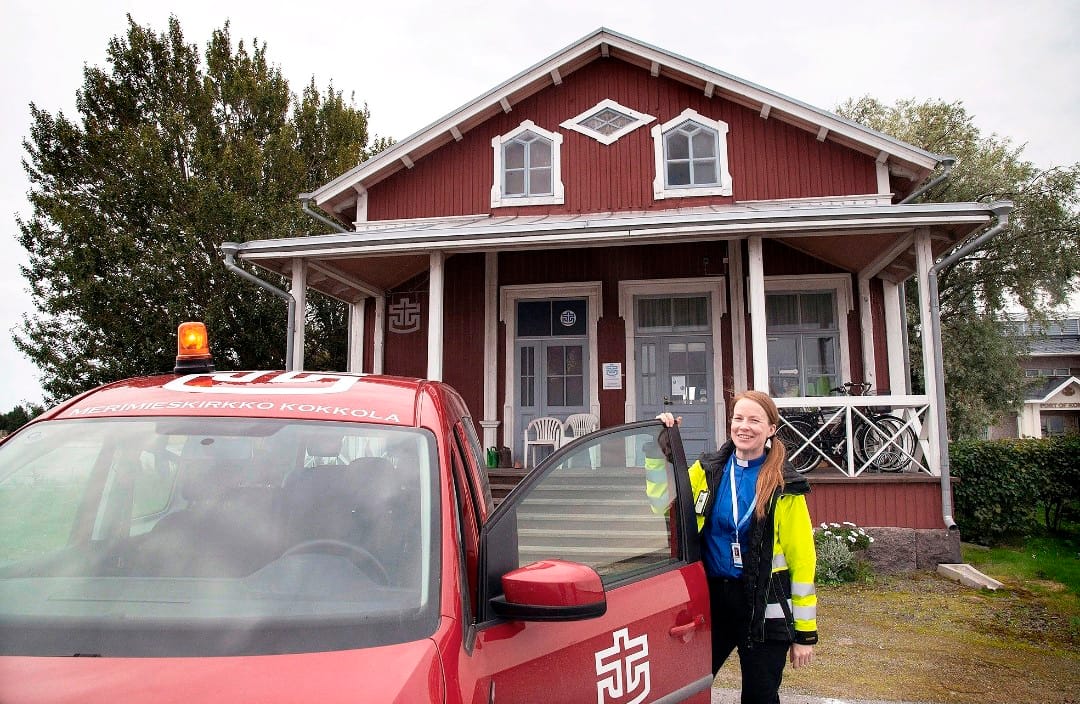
547	431
579	424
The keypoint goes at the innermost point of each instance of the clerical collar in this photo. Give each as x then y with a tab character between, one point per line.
757	462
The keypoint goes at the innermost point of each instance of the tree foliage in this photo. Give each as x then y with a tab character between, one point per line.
17	417
173	152
1034	261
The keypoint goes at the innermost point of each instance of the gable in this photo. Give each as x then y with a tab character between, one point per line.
768	159
898	163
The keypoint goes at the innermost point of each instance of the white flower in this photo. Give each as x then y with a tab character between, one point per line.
828	532
835	525
849	523
871	538
852	538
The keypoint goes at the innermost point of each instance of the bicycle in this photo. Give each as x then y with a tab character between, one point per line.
881	440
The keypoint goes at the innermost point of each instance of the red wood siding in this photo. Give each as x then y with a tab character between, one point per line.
767	158
876	500
881	340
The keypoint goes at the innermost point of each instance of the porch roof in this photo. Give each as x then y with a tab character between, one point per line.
351	265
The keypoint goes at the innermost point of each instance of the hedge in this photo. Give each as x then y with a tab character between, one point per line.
1006	487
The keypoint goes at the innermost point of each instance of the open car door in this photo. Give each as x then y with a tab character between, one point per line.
591	583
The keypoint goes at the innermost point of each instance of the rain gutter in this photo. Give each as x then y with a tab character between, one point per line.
229	249
1001	210
306	199
948	162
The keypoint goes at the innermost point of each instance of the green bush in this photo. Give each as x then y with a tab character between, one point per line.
1005	487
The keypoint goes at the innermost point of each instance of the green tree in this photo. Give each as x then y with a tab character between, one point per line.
171	154
18	417
1034	261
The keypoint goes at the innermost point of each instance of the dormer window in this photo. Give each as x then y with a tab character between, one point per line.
527	167
691	157
607	121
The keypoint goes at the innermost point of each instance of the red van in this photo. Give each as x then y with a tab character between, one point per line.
302	536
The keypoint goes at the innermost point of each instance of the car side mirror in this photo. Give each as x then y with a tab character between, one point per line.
551	590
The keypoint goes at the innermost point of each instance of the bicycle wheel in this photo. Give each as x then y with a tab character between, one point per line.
877	434
806	458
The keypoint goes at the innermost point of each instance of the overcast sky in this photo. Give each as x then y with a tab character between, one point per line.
1013	65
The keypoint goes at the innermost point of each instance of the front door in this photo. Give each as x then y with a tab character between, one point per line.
588	504
551	364
674	374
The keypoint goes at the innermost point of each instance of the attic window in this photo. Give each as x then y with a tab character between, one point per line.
691	157
528	167
607	121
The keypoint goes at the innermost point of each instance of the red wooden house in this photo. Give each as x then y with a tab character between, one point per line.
618	230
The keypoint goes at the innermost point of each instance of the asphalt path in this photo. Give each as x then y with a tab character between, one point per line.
731	696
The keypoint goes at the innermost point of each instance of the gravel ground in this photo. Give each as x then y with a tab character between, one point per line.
731	696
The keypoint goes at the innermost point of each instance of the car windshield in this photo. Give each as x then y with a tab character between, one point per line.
215	536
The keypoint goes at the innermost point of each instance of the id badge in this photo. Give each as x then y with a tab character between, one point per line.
736	554
702	499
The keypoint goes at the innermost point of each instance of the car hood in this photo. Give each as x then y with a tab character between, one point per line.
408	672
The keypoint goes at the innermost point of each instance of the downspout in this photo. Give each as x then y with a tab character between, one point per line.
1001	210
306	200
947	162
229	249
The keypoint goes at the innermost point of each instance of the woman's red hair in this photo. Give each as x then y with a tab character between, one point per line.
771	476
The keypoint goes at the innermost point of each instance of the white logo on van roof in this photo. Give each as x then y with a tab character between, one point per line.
260	383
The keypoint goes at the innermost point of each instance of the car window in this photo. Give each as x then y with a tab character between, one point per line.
217	536
607	501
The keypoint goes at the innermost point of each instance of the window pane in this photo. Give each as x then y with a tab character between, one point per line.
539	182
704	172
555	360
654	312
573	360
575	391
783	366
514	155
533	318
819	354
515	183
704	144
818	310
679	174
781	309
690	312
678	146
551	530
556	391
539	153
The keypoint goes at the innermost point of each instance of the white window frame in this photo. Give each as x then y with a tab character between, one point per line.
840	286
498	198
640	119
723	175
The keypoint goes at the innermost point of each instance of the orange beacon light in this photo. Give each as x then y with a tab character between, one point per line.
193	349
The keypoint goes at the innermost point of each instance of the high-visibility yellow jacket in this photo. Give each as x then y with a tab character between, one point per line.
780	581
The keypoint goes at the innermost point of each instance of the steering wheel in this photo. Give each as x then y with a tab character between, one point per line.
358	555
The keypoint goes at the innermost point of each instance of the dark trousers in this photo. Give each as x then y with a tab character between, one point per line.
761	663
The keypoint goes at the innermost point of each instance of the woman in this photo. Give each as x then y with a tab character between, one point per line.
757	544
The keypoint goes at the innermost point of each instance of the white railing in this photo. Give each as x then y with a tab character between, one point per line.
850	413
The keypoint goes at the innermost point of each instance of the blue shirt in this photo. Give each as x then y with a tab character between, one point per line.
719	530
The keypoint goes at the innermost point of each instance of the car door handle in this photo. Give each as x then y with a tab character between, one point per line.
687	628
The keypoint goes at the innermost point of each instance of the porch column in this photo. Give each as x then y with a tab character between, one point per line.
356	336
490	422
736	290
380	335
894	338
435	316
759	341
866	334
924	259
299	293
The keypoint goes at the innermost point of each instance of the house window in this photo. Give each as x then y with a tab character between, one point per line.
804	343
1053	425
607	121
527	167
691	157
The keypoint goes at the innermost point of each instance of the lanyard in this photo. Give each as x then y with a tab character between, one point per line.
739	522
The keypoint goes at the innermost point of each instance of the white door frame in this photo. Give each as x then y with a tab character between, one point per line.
508	298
